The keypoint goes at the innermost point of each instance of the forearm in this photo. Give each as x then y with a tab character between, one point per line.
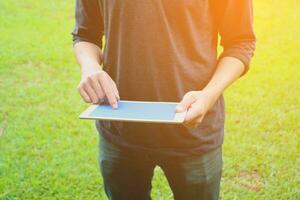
228	70
88	55
197	103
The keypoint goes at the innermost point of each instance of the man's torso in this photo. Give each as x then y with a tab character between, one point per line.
157	51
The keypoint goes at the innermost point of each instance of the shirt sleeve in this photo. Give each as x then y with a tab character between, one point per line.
88	22
236	30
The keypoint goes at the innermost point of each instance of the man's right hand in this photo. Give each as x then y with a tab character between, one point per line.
96	86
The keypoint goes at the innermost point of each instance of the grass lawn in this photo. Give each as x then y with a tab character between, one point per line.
47	153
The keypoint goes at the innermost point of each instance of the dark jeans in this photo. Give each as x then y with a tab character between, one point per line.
127	174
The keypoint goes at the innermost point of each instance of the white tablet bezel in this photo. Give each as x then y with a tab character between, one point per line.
178	118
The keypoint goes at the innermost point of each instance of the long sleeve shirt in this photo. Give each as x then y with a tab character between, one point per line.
157	50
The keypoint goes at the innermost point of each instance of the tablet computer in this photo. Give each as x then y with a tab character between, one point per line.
136	111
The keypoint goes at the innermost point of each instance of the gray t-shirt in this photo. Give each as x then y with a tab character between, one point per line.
157	50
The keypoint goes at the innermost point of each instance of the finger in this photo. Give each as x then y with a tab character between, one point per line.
185	103
96	87
84	95
108	90
89	90
115	90
194	112
114	87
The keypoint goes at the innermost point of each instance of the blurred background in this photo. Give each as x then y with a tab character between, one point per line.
46	152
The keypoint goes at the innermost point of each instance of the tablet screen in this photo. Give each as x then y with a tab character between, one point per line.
140	110
137	111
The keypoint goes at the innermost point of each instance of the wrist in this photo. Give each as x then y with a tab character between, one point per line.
212	93
90	68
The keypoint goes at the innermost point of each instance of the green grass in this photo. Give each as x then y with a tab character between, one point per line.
47	153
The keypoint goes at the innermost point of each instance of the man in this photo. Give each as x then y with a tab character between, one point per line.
162	50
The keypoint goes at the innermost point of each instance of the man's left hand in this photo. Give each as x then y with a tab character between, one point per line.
196	103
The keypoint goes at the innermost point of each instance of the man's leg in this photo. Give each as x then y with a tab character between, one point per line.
126	175
195	177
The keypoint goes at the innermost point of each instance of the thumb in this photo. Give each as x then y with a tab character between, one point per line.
185	103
